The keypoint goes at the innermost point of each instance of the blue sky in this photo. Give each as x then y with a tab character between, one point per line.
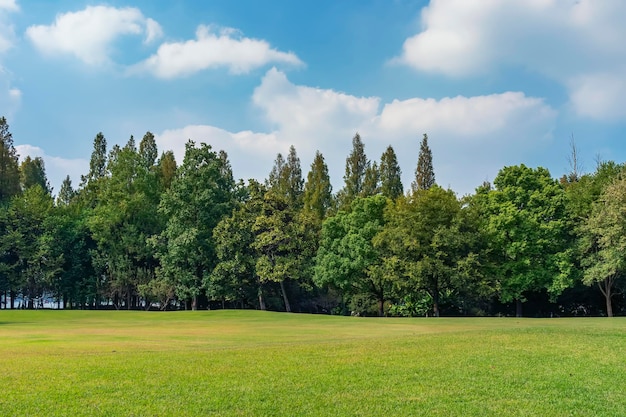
493	83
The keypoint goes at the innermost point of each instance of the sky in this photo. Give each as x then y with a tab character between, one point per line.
493	83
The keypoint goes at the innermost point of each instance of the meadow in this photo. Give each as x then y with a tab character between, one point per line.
252	363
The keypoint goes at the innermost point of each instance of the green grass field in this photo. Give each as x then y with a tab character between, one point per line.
250	363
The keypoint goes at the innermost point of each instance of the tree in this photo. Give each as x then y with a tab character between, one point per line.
66	193
286	180
98	160
166	168
526	227
347	259
390	175
318	191
28	213
277	244
603	242
371	181
197	200
234	277
356	165
122	221
9	169
424	173
428	244
33	172
148	151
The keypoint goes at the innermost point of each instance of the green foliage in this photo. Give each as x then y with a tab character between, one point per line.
199	197
356	166
346	258
33	172
603	241
390	175
318	197
429	244
424	172
371	181
526	223
9	169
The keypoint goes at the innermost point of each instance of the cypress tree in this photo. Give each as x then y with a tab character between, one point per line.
318	197
33	172
371	182
356	165
9	168
424	173
390	175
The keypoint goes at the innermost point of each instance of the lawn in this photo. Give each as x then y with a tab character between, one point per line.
250	363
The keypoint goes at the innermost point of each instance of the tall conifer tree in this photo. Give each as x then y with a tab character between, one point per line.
9	169
318	197
356	165
390	175
424	173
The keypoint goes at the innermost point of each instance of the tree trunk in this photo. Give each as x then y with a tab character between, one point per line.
381	308
194	303
518	308
436	303
282	289
606	286
261	300
12	293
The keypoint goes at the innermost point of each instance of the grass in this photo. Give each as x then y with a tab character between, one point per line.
250	363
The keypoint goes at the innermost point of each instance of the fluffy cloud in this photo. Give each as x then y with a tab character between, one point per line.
89	34
213	48
471	137
311	115
577	43
56	168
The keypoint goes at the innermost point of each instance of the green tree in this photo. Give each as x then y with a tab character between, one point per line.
526	222
33	172
66	193
197	200
371	181
281	243
166	169
390	175
347	259
356	165
429	245
424	173
28	213
318	191
9	168
286	180
148	151
234	277
122	221
603	242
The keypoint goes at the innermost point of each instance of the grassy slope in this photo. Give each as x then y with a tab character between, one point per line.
272	364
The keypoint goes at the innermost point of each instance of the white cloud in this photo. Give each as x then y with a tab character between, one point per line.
213	48
311	115
576	43
471	137
89	34
10	5
56	168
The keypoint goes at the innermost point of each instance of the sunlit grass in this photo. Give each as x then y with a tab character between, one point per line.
247	363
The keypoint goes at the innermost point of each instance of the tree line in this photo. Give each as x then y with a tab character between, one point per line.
141	232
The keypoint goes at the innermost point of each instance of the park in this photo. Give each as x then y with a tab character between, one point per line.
256	363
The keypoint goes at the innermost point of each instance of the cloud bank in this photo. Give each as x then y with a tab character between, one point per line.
578	44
